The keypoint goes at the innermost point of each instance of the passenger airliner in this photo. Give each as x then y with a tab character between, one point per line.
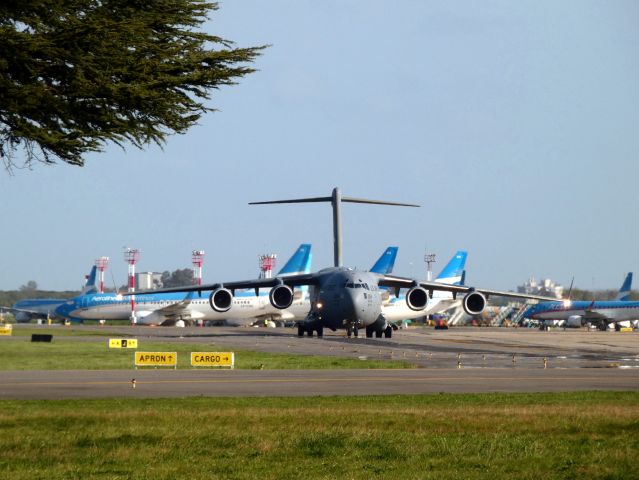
395	308
168	308
574	314
44	308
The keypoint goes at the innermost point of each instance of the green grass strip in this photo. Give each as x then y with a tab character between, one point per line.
75	354
445	436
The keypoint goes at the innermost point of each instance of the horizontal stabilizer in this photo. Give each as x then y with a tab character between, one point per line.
330	199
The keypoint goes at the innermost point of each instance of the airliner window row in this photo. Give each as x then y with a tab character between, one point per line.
167	302
575	307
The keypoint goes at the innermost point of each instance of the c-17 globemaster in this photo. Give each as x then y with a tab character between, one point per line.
344	297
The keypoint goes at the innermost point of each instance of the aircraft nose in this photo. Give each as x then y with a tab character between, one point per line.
354	303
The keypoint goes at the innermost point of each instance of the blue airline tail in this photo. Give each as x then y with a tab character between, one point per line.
385	263
89	286
626	287
453	273
300	262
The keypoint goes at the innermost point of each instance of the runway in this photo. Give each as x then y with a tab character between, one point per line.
291	383
491	360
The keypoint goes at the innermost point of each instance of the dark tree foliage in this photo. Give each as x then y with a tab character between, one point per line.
177	278
76	74
30	287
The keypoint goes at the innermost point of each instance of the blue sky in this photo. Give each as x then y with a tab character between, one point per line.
514	124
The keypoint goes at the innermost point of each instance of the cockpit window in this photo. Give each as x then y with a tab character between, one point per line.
356	285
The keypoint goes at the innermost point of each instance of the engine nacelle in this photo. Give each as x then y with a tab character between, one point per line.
221	300
474	303
574	321
417	298
281	296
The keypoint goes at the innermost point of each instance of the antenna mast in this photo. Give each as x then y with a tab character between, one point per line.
267	263
429	258
197	259
101	264
131	256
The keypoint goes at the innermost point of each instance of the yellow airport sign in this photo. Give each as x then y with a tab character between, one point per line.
155	359
6	329
212	359
123	343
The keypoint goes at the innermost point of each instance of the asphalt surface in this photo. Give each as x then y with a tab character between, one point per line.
457	360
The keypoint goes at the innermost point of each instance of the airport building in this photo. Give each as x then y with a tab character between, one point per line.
545	286
148	280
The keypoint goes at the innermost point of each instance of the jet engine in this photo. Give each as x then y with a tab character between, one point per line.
574	321
417	298
474	303
221	300
281	296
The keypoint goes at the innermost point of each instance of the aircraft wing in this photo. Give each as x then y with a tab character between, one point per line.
257	283
25	310
403	282
593	315
174	308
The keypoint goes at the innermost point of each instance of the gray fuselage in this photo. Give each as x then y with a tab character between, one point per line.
346	297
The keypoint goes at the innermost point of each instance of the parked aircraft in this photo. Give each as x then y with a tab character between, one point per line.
342	297
575	314
396	308
384	264
45	308
156	308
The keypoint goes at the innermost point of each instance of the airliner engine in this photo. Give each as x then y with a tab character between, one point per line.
474	303
417	298
221	300
281	296
574	321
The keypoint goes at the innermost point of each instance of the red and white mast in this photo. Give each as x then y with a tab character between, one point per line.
131	256
101	264
267	264
197	258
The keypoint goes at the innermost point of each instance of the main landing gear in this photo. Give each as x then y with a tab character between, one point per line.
309	329
386	332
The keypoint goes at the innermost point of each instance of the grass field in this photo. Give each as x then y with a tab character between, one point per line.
69	354
530	436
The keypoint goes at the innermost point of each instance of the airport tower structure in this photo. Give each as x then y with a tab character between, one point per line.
131	256
267	264
197	257
101	264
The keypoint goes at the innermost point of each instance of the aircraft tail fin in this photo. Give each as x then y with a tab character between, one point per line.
384	264
454	273
89	286
336	200
300	262
624	291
